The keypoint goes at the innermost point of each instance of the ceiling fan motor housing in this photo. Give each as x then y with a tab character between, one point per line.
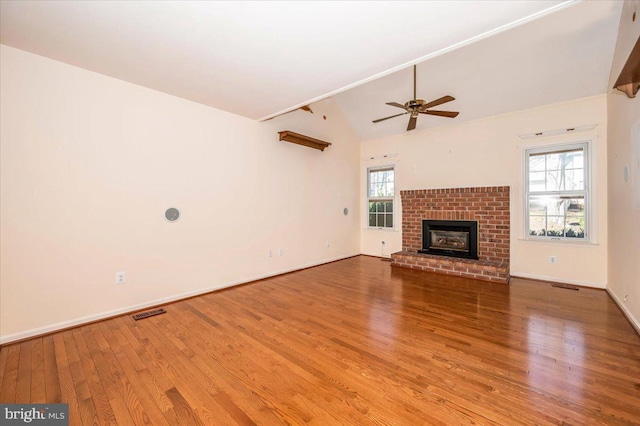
414	104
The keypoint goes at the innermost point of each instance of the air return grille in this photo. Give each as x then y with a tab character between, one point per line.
567	286
143	315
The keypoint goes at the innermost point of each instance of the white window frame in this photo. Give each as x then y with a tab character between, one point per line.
392	199
586	146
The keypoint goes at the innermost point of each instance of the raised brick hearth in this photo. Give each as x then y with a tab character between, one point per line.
487	205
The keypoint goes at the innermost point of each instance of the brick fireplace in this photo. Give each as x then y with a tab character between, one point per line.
489	206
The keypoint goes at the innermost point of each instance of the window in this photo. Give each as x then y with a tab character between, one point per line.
557	192
381	194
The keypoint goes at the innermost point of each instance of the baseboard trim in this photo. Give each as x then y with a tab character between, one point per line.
78	322
557	280
632	320
376	257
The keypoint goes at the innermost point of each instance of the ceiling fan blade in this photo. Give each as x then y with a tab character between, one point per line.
440	101
386	118
395	104
450	114
412	122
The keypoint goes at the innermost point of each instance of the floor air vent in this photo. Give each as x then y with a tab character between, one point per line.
143	315
567	286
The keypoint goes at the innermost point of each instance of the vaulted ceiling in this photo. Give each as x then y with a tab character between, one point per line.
562	56
260	59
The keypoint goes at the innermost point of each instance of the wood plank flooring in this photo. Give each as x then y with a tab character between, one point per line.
353	342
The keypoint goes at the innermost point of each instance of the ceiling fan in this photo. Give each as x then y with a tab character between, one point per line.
416	107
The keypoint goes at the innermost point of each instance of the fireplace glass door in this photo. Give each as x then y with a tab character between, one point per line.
450	240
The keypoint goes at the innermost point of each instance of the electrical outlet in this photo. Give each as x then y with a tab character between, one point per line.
280	252
270	254
121	277
328	243
553	259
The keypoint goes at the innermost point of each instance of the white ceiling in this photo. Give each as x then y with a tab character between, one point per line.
259	59
562	56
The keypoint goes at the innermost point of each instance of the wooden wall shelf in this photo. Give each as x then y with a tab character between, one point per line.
629	79
289	136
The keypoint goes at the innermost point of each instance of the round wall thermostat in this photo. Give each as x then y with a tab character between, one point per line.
345	211
172	214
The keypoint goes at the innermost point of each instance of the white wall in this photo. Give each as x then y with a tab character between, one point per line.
489	152
624	216
90	163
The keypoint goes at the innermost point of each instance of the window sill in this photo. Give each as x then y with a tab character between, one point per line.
560	242
380	229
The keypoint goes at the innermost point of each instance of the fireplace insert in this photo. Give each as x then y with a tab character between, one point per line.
456	238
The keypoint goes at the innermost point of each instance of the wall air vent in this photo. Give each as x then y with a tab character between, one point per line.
143	315
172	214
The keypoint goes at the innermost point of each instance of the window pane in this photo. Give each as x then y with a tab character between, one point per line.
574	180
563	213
375	189
537	226
381	183
556	216
572	159
553	181
575	206
574	228
556	206
546	204
577	160
553	161
555	226
575	218
536	163
536	181
557	171
381	192
388	189
537	206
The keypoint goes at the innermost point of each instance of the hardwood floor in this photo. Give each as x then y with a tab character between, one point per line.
351	342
